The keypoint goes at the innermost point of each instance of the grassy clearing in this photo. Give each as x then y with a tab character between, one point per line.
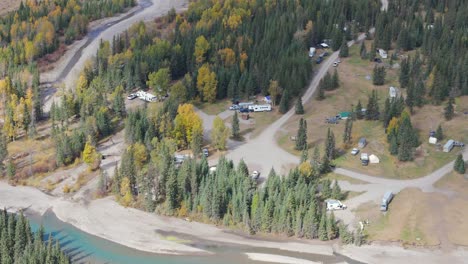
214	108
354	86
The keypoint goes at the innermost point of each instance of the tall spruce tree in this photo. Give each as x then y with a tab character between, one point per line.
301	138
3	150
322	231
335	80
235	126
348	131
459	165
299	107
330	150
344	50
449	110
284	103
404	73
439	133
363	51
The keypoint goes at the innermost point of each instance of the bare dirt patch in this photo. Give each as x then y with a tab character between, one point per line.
418	219
8	5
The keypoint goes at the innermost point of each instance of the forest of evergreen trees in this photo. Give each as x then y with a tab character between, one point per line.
18	244
437	29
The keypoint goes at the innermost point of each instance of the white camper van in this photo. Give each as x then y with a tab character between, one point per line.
262	108
311	52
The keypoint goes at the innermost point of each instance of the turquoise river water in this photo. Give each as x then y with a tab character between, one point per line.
85	248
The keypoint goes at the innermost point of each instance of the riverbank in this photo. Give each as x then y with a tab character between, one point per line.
137	229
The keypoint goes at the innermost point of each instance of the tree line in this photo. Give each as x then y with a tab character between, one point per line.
18	244
436	29
232	49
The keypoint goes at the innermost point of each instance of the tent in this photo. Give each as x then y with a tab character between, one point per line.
432	140
374	159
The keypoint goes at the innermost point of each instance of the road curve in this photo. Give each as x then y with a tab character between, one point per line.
86	48
263	153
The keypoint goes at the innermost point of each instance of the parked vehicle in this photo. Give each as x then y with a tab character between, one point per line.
354	152
325	53
378	60
261	108
205	152
362	143
335	205
255	175
335	64
319	60
245	104
364	159
131	96
332	120
244	110
311	52
386	200
449	145
234	107
146	96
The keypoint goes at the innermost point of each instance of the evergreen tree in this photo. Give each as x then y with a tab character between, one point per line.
348	131
322	231
284	103
344	50
326	189
235	126
321	92
331	227
299	107
330	150
404	73
3	150
378	76
363	51
301	138
197	141
449	110
372	111
336	191
393	144
11	170
371	53
335	81
459	165
439	133
358	111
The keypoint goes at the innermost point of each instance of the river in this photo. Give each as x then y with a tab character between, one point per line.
85	248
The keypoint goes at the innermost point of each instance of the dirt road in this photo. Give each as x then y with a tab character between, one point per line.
376	187
73	61
263	153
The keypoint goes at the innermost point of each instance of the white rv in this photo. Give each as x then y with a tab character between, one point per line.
311	52
146	96
262	108
383	53
335	205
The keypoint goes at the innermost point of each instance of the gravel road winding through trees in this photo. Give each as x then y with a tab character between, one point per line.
74	60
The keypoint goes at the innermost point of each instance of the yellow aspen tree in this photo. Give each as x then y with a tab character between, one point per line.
201	48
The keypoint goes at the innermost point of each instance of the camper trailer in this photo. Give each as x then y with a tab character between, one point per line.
386	200
311	52
261	108
146	96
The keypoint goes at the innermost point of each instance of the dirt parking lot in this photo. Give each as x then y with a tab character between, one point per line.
416	218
